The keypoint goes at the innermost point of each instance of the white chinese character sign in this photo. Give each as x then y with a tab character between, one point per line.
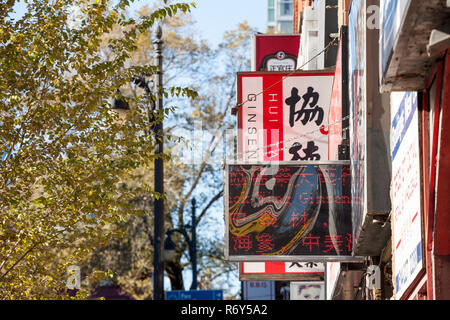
283	116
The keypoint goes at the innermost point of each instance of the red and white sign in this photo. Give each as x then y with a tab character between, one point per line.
282	268
284	116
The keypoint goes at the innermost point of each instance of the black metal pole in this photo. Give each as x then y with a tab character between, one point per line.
158	264
194	248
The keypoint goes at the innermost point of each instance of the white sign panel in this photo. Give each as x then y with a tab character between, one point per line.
307	290
406	196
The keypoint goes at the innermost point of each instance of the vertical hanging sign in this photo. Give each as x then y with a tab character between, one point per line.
406	196
283	116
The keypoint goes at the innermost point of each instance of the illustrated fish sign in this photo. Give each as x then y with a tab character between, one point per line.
291	211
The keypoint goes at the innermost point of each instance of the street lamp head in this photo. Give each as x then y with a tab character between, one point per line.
169	249
158	31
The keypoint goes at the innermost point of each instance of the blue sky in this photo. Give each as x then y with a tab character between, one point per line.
214	17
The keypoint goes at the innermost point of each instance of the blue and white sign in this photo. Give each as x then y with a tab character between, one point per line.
392	17
406	196
194	295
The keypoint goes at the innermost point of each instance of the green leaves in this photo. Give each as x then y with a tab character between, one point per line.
66	153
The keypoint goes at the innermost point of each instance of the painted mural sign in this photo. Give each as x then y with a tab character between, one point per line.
406	195
291	211
307	290
283	117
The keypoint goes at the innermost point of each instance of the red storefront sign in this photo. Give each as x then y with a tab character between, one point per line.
275	52
283	116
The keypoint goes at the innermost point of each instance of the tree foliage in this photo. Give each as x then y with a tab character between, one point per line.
194	168
65	155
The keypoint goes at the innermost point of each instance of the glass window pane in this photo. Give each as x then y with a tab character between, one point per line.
270	4
271	15
285	8
285	26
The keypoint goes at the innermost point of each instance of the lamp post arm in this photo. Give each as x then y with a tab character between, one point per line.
182	231
192	254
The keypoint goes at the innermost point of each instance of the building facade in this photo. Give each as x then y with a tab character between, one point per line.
391	95
279	16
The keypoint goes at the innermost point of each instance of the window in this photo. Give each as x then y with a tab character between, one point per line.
285	8
285	26
271	15
270	11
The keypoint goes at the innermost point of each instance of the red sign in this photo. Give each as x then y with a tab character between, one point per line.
275	52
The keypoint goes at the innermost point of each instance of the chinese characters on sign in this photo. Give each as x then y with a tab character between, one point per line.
296	211
282	117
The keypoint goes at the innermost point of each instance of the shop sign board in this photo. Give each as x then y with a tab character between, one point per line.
283	117
406	220
332	276
288	212
275	52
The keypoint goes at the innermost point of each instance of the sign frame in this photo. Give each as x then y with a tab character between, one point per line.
269	258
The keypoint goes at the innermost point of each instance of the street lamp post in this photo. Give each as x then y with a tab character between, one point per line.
158	264
121	105
194	247
169	246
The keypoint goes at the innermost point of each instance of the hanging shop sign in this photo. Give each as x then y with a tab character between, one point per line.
282	271
275	52
288	212
407	247
392	15
283	116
